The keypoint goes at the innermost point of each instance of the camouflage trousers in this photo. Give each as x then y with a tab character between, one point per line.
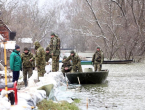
26	71
97	66
77	68
55	63
41	70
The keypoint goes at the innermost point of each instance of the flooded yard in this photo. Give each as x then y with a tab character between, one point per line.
123	90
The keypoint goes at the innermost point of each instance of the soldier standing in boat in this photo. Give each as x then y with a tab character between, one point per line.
66	66
55	51
76	61
97	59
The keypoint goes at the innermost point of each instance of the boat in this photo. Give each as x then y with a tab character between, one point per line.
83	62
118	62
108	62
88	77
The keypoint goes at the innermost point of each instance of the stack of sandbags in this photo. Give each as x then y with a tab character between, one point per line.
30	96
4	104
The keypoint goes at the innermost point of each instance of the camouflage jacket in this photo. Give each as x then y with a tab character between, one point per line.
75	60
67	64
47	56
40	57
55	46
26	60
98	57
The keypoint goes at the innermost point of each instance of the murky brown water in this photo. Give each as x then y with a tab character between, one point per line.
124	89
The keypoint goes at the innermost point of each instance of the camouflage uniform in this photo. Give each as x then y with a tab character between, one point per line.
76	61
66	64
97	60
47	55
27	65
40	59
55	50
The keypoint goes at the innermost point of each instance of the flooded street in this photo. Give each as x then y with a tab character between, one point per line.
124	89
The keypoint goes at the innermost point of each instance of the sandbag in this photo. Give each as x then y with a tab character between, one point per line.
47	88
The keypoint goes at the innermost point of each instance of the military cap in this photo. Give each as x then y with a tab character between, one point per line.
64	57
47	48
37	43
98	47
52	34
72	52
25	49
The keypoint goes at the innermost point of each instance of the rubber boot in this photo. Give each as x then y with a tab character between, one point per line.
25	82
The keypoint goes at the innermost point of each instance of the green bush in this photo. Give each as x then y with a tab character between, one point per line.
50	105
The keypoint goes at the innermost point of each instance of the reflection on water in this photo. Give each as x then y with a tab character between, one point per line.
125	89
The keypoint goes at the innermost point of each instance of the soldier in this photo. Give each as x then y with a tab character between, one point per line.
40	59
27	64
97	59
55	51
47	55
75	60
66	67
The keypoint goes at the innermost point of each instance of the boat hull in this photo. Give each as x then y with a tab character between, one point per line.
88	77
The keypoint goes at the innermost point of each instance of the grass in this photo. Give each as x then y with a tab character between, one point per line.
77	101
50	105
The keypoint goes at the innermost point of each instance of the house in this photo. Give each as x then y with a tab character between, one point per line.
26	42
5	32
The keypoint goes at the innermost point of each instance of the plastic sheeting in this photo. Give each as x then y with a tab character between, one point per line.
4	104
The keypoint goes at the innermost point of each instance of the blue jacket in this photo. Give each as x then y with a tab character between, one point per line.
15	61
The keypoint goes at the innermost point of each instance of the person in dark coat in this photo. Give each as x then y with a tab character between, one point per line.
15	63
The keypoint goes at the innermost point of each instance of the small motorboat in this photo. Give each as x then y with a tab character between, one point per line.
88	77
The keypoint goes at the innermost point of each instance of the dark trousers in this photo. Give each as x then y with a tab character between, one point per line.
16	75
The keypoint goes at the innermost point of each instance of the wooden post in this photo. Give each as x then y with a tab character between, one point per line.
87	104
79	80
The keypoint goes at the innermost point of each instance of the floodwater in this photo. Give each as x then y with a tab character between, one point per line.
123	90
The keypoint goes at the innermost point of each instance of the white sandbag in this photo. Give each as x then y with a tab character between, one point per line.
25	96
34	75
31	83
48	68
18	107
26	100
23	103
30	96
37	96
41	94
4	104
